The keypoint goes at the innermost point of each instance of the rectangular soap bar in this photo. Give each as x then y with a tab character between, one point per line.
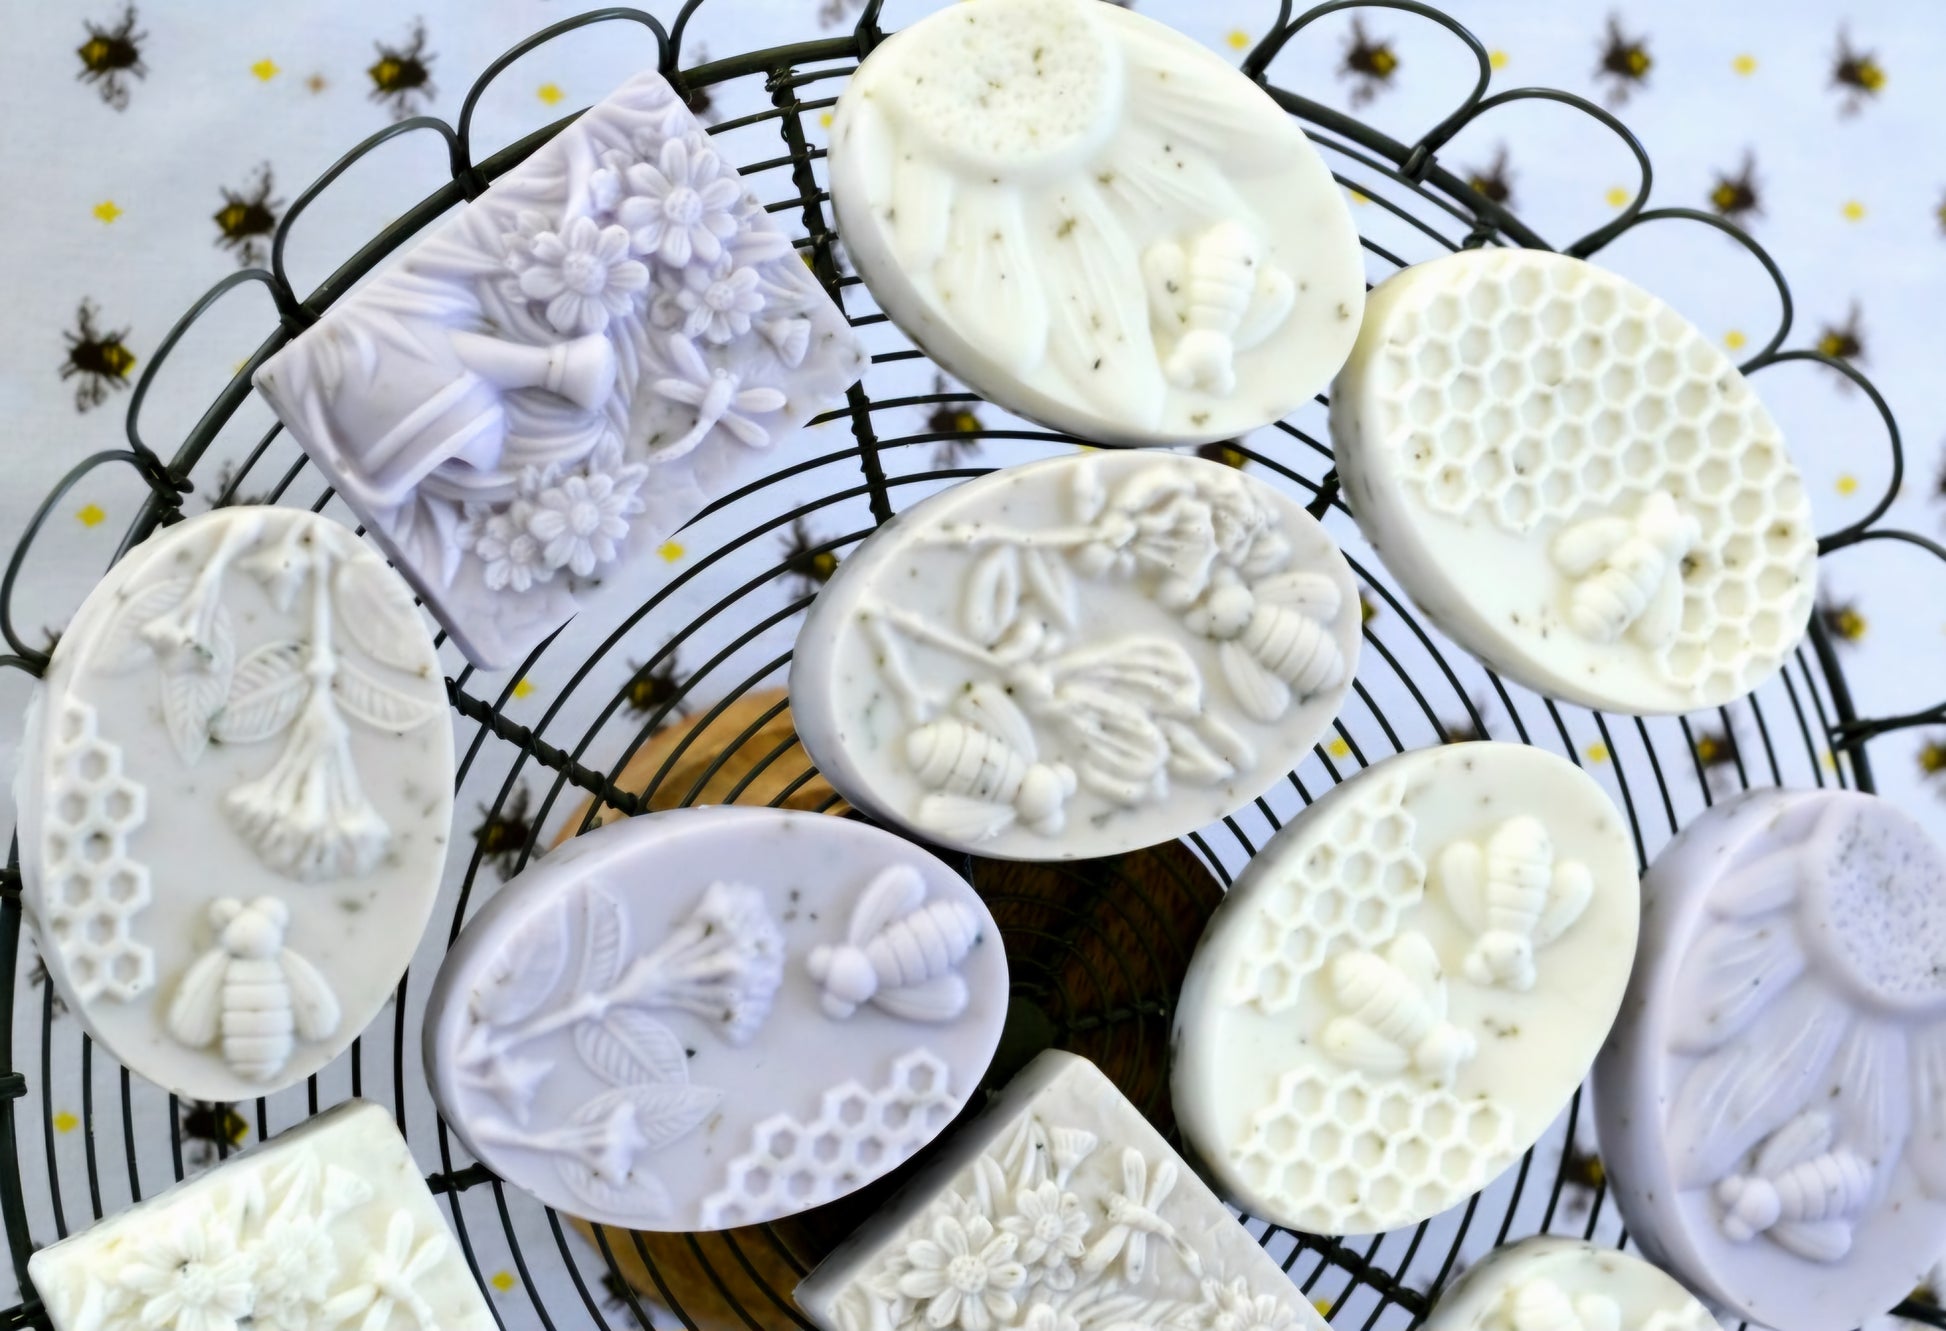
328	1223
1060	1207
566	372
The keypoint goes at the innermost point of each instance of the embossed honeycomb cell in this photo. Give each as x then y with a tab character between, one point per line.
96	888
1363	1155
1361	876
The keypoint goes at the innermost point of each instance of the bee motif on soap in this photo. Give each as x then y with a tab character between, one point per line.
983	768
1274	637
1394	1010
1217	297
1628	572
1515	896
901	952
1801	1193
1542	1305
251	992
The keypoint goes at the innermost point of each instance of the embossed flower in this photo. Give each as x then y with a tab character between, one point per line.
192	1276
1051	1228
682	207
1046	1317
296	1264
965	1273
717	306
389	1280
1232	1307
606	184
581	520
509	553
584	275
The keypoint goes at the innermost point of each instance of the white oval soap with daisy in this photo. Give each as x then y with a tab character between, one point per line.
1094	221
235	797
715	1017
1772	1101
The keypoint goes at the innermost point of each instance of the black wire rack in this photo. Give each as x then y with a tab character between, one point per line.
1096	948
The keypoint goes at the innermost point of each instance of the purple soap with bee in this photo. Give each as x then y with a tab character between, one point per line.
715	1017
1078	657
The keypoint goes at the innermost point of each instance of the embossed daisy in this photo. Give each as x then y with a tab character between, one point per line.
965	1273
583	275
682	206
1052	1229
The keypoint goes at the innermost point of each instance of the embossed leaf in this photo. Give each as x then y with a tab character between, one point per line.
641	1196
1052	584
669	1111
1736	969
1926	1152
377	613
1204	751
1767	884
525	972
992	596
1874	1101
194	689
627	1047
122	647
604	937
1152	674
379	706
269	687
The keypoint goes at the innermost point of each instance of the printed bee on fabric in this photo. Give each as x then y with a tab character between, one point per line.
1225	453
110	56
1856	75
100	361
1715	750
1367	607
697	96
615	1293
833	12
1216	295
901	952
1843	621
210	1129
1394	1013
1932	758
1274	639
37	978
1515	896
251	992
957	420
504	833
1469	729
1368	64
1542	1305
1735	194
1845	341
246	218
1494	181
1627	572
651	687
1802	1193
402	75
984	769
1582	1176
804	563
1625	62
223	493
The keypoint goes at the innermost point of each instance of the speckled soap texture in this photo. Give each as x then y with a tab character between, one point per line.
1555	1284
1772	1102
327	1225
1077	657
1574	483
1404	987
558	378
715	1017
1061	1206
1095	221
235	796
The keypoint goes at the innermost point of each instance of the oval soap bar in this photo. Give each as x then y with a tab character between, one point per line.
1772	1102
1078	657
1404	987
1553	1284
235	794
715	1017
1574	483
1094	221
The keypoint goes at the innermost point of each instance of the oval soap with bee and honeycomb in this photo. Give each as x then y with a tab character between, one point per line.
1554	1284
235	795
1404	987
1573	483
1077	657
715	1017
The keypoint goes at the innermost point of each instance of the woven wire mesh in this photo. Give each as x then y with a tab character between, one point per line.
1097	948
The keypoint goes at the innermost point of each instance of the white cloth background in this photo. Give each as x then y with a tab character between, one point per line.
113	185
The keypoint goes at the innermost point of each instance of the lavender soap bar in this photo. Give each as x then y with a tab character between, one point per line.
715	1017
558	378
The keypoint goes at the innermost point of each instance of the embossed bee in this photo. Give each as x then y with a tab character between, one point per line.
252	991
1222	297
1515	896
402	75
1803	1194
1542	1305
982	765
1628	572
1857	74
1625	62
1274	637
901	952
1395	1012
100	360
111	54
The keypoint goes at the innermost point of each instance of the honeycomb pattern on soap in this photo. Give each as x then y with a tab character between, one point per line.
91	888
1360	878
1352	1154
857	1135
1528	392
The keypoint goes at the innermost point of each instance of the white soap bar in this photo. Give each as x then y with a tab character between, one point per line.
715	1017
1772	1102
235	795
1404	987
1060	1206
566	372
1077	657
1553	1284
1095	221
1574	483
329	1224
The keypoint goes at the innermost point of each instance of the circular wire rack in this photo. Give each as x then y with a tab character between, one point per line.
1097	948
